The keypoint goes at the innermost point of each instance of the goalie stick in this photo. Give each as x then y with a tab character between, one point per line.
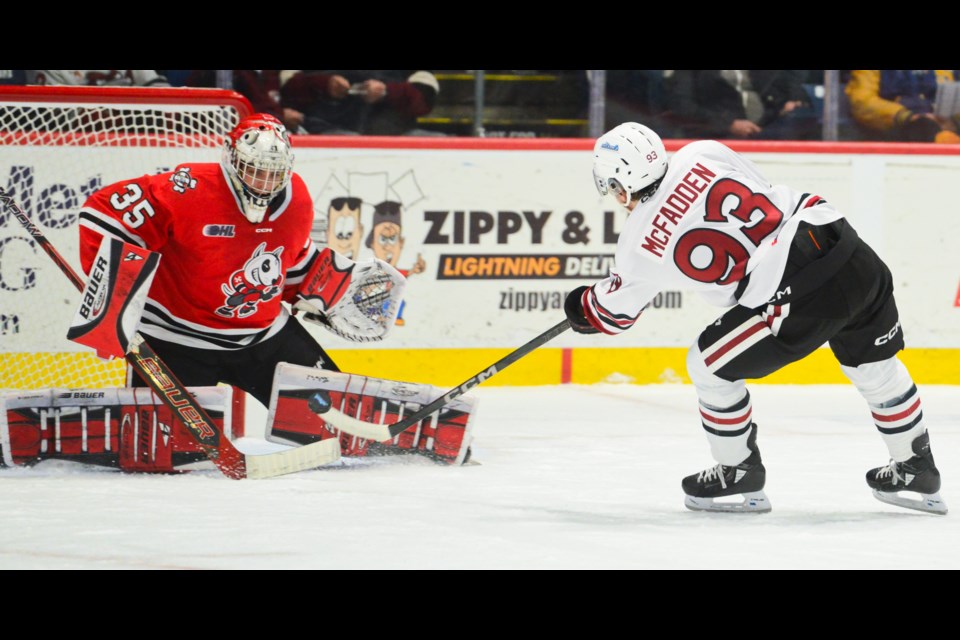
384	432
230	460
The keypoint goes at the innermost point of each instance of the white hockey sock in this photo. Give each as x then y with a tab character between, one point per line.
727	430
726	411
894	403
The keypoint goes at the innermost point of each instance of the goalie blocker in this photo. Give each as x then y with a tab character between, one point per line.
301	395
112	301
357	301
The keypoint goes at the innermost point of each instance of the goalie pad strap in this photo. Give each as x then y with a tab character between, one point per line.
146	435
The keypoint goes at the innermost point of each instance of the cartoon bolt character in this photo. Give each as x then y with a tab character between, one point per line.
343	226
387	243
260	279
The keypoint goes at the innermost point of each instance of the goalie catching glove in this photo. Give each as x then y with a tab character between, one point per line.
357	301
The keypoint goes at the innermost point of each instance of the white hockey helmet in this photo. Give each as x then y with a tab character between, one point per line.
259	160
628	158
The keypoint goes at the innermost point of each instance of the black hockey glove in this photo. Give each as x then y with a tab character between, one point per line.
574	310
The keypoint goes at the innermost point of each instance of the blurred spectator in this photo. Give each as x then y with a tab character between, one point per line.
354	102
898	104
13	76
739	103
176	77
260	86
637	95
98	77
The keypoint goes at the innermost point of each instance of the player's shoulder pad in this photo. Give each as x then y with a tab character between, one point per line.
707	148
703	146
297	181
300	192
188	177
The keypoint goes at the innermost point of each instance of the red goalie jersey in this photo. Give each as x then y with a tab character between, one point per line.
221	278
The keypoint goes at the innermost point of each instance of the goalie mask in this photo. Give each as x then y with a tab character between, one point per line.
259	162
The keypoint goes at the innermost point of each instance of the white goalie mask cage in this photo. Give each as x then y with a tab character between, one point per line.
259	160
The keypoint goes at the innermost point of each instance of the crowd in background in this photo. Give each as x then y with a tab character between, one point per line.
877	105
891	105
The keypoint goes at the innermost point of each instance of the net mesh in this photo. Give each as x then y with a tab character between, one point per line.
57	146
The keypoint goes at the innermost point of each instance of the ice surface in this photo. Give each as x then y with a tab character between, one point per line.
571	477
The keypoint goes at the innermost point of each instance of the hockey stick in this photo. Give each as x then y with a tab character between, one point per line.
384	432
165	384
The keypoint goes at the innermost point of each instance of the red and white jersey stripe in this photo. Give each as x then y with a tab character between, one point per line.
735	342
602	318
774	315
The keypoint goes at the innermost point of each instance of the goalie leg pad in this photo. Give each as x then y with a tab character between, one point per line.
301	394
146	436
129	429
59	423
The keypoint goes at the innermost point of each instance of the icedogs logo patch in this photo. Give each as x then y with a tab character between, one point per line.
182	180
260	279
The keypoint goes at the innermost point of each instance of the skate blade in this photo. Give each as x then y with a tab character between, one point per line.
930	503
753	502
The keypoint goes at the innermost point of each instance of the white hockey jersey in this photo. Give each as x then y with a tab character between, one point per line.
714	220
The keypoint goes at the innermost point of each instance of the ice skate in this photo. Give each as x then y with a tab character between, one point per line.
745	480
918	474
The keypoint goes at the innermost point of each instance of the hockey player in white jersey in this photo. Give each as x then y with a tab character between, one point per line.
797	276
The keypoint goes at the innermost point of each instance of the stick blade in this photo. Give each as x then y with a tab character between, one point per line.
356	427
293	460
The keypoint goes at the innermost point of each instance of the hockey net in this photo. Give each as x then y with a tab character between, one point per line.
57	146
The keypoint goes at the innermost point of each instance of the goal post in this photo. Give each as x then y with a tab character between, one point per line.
57	146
